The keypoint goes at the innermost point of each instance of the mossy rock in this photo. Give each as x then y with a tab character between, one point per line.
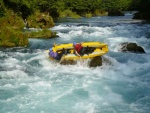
40	20
45	33
88	15
100	12
11	20
68	13
10	30
115	13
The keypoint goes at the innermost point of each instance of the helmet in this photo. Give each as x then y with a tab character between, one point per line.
74	43
50	49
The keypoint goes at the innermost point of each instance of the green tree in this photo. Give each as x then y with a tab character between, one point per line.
116	4
2	9
22	7
49	6
144	5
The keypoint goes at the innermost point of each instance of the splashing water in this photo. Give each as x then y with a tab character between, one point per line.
32	83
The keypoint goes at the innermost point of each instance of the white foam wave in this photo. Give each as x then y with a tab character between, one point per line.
43	85
13	74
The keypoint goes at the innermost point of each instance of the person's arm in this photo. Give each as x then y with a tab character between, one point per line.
77	53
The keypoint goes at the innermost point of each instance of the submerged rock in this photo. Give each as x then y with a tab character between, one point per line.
68	62
96	61
106	61
83	25
115	13
131	47
142	15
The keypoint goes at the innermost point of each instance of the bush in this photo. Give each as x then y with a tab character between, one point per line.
40	20
10	31
99	12
68	13
88	15
12	38
45	33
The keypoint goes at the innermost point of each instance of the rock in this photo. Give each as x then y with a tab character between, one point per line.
131	47
96	61
68	62
115	13
40	20
106	61
142	15
140	49
83	25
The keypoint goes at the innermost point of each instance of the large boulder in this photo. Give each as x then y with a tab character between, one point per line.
39	20
142	15
96	61
131	47
99	61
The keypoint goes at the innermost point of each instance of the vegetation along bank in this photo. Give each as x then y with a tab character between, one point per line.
16	15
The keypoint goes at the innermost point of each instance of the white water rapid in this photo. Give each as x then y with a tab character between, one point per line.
32	83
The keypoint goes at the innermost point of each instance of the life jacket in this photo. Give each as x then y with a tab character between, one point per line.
78	47
53	54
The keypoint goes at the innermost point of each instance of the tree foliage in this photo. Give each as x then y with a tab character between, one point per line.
22	7
54	7
144	5
25	8
120	5
13	12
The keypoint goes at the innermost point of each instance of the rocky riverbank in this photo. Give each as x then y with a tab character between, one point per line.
12	28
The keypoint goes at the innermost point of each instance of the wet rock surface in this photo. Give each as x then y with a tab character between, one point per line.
96	61
115	13
68	62
131	47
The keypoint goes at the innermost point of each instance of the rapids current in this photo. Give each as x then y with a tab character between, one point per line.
32	83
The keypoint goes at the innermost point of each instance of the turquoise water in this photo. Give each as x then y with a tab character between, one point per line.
31	83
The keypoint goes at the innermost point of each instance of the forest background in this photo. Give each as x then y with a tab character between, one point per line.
15	15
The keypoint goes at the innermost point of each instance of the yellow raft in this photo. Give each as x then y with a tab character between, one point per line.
91	50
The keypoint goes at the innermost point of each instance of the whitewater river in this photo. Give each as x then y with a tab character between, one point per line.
32	83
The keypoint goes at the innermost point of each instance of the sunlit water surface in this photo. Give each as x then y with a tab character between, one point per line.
32	83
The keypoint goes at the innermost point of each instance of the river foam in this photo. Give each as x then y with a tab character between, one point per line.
31	82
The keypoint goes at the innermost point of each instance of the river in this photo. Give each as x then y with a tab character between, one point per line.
32	83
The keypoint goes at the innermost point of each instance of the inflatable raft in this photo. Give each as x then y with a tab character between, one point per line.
91	50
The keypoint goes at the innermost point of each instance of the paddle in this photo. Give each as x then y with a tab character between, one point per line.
62	58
